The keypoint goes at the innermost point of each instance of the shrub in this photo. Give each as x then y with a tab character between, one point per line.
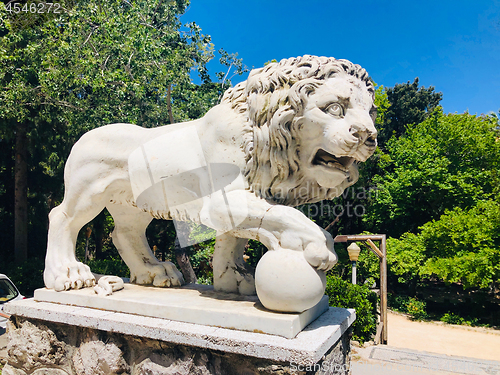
397	302
27	276
452	318
344	294
111	266
408	305
416	309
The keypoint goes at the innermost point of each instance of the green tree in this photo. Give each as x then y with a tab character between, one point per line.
93	64
382	102
444	162
21	111
463	246
409	104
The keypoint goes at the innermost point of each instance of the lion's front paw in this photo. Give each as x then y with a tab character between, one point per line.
320	256
71	275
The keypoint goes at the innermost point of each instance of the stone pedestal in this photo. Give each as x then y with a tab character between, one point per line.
49	338
192	303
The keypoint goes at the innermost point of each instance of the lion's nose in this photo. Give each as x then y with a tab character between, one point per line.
363	134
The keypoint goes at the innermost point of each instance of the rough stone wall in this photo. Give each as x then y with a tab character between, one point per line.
44	348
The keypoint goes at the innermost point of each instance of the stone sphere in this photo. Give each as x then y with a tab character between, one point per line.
286	282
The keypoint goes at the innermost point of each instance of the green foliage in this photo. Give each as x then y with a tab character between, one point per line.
95	63
405	257
397	302
110	266
452	318
383	104
26	276
437	192
118	62
254	250
230	60
4	21
416	309
409	104
408	305
344	294
463	246
368	266
444	162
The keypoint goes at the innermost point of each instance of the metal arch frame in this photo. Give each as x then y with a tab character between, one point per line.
381	335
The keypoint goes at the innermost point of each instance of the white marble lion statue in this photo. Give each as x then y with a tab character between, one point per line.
293	133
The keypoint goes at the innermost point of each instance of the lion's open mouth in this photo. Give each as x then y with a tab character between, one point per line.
331	161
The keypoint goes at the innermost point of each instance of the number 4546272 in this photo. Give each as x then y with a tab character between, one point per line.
33	8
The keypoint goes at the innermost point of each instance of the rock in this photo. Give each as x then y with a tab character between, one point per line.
49	371
98	358
9	370
33	346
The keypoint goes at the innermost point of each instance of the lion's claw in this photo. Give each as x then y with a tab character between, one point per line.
163	275
320	257
175	276
70	275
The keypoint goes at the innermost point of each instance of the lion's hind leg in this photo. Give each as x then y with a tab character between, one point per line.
129	237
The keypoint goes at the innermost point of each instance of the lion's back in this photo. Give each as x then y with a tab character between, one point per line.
104	150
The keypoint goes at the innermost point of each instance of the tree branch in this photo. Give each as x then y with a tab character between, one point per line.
169	104
104	65
86	40
156	9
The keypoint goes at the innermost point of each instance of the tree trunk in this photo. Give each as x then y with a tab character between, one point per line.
184	263
21	194
99	234
169	104
181	256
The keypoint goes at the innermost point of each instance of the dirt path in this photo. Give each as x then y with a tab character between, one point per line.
443	339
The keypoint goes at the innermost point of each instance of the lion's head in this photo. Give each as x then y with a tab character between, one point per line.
312	121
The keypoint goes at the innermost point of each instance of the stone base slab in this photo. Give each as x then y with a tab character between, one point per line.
192	303
308	347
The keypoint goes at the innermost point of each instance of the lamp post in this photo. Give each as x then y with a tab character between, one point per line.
353	250
381	253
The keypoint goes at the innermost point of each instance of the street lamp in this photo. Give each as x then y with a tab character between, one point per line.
353	250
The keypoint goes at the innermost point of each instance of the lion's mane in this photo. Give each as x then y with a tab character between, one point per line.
272	99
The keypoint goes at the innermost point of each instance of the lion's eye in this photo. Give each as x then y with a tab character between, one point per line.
373	114
335	109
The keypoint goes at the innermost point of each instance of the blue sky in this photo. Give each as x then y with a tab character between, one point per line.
451	45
